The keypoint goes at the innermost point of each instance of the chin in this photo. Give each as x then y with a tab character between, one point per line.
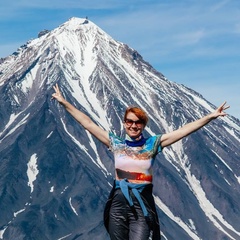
134	135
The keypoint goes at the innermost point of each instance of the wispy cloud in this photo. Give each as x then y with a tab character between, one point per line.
190	38
219	5
186	39
61	4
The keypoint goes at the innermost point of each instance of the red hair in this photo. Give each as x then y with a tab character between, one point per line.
138	112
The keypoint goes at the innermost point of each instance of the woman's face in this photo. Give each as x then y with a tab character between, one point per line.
133	125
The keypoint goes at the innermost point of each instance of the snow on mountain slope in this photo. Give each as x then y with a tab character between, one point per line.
55	177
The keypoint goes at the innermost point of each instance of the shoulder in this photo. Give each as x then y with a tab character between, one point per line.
115	142
113	136
154	143
155	138
114	139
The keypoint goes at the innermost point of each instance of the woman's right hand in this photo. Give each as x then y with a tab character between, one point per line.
57	94
82	118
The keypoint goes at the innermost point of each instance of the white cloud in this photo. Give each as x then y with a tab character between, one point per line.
190	38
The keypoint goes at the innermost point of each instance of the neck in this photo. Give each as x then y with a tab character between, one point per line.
133	139
135	142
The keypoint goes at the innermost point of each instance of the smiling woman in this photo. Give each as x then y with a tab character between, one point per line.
130	211
143	118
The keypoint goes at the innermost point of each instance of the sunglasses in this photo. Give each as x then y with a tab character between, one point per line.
130	122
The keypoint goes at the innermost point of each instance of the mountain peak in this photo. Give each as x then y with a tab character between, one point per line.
75	23
52	169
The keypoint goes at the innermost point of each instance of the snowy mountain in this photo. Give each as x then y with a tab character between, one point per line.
55	177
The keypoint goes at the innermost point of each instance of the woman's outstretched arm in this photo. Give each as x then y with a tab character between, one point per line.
172	137
81	117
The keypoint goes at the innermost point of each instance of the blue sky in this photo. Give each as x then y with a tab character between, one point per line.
192	42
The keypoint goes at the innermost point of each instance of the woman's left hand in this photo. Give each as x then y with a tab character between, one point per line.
219	112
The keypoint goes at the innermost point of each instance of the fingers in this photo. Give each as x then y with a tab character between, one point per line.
57	92
56	88
220	110
223	107
227	107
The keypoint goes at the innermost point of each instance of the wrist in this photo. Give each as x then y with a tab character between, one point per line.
64	102
212	116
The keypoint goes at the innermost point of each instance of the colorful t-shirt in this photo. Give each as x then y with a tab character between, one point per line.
134	163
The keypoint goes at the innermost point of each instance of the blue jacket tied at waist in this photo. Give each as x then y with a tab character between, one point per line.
136	189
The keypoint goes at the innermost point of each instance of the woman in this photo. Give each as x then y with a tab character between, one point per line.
130	211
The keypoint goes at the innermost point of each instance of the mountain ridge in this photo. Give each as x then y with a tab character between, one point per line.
46	156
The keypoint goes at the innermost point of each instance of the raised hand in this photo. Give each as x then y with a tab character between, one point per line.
220	111
57	95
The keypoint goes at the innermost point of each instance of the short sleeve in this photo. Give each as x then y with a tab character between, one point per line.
158	140
114	141
153	145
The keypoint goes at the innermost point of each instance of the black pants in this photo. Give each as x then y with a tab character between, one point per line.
126	223
122	223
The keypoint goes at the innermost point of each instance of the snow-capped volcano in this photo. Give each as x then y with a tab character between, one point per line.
55	177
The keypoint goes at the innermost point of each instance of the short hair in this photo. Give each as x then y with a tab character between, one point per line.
140	113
